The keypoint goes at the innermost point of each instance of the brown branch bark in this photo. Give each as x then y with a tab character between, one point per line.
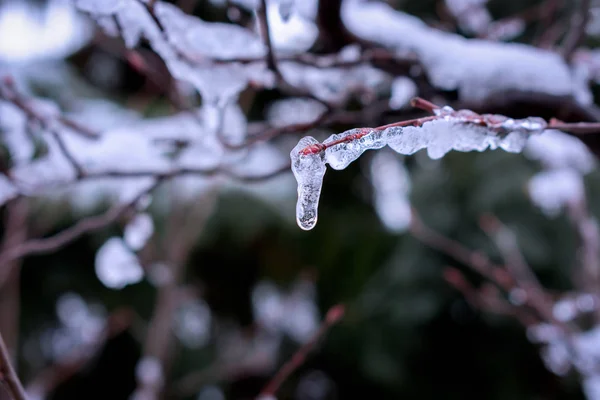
15	235
334	315
576	33
178	241
8	375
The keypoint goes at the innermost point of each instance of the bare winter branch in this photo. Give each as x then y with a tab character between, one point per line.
8	375
334	315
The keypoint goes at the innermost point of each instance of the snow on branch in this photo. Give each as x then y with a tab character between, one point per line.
477	68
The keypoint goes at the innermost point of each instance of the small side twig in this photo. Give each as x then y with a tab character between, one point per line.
8	376
52	243
51	377
334	315
576	32
266	33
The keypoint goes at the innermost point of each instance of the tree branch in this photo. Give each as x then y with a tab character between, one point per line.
576	33
334	315
8	375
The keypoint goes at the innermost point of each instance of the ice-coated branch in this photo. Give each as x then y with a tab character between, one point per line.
8	375
446	130
333	316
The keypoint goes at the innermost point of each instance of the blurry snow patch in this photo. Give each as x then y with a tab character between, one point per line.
566	160
591	387
116	265
593	26
476	68
294	313
564	310
290	31
101	114
99	6
188	44
334	84
403	90
159	274
391	187
149	371
138	231
211	392
506	30
292	111
555	189
472	15
555	149
81	325
7	190
580	350
315	385
32	34
221	41
193	323
247	4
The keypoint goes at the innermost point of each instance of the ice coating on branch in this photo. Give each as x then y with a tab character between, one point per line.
441	136
391	186
309	171
461	130
339	156
476	68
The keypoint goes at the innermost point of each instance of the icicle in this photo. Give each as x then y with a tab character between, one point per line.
309	170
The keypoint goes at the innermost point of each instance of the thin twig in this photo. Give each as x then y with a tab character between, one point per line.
576	32
334	315
86	225
159	342
8	375
266	33
11	95
47	380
